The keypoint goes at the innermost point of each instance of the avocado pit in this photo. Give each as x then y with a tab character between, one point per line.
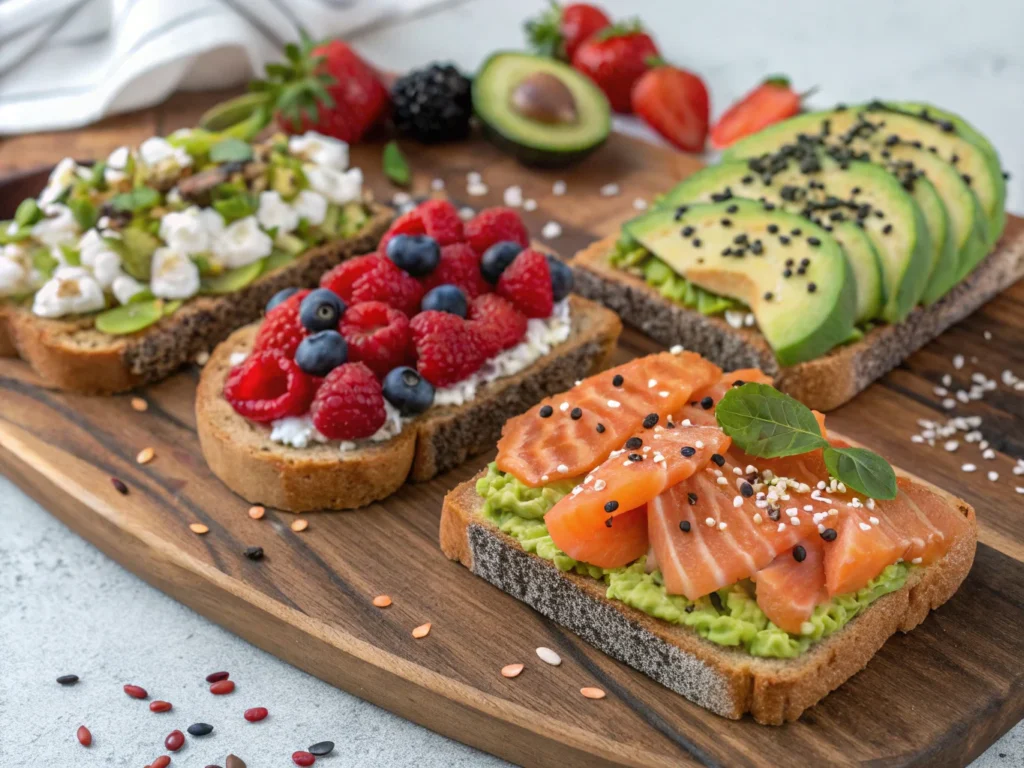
543	97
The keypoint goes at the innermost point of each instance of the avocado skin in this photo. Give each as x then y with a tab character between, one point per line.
533	157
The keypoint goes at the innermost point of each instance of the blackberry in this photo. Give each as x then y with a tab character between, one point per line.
433	104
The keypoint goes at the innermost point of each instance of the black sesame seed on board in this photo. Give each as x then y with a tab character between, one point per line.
812	287
650	420
576	413
829	534
67	679
706	402
747	490
799	553
611	506
687	451
633	443
253	553
718	458
617	380
684	526
600	428
692	498
546	411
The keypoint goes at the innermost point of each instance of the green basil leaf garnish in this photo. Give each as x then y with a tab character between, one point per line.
764	422
139	199
396	167
230	151
28	213
84	211
863	470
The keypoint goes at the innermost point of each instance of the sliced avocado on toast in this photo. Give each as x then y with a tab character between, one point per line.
830	194
800	288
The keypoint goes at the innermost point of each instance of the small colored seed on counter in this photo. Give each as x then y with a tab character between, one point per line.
222	687
255	714
382	601
119	485
67	679
136	692
300	525
160	706
548	656
512	670
257	512
84	736
421	631
234	761
145	456
200	729
216	677
303	758
253	553
592	693
161	762
198	528
140	405
175	740
322	748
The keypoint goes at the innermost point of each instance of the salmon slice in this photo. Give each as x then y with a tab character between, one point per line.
653	460
925	518
860	552
616	541
596	416
789	589
700	411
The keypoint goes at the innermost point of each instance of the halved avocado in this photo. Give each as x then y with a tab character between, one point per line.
830	193
540	110
800	289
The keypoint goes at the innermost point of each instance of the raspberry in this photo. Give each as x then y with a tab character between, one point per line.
497	322
459	265
448	349
374	278
409	223
493	225
377	335
282	329
268	386
526	282
441	221
349	404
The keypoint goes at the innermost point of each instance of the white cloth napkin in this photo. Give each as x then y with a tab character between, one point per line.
67	63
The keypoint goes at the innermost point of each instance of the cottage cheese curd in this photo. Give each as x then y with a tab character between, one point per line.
117	161
320	149
125	287
71	291
241	243
156	151
174	275
299	432
311	206
192	230
16	273
59	226
337	186
275	213
60	179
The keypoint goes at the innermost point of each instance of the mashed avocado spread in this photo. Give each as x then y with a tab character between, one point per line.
729	617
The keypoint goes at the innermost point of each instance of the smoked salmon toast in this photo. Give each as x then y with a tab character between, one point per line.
707	530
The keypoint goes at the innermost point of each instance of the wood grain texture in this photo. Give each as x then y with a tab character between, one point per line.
938	696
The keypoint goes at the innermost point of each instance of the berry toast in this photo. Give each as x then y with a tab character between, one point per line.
121	271
401	365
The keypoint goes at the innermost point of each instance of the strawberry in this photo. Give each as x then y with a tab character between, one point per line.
459	265
498	323
349	404
492	225
377	335
323	87
282	330
526	282
409	223
674	102
772	101
267	386
560	30
448	348
614	59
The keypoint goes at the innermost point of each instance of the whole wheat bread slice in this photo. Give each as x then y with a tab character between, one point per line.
824	383
71	354
727	681
320	476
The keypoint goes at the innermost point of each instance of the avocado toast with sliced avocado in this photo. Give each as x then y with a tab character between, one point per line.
121	271
911	197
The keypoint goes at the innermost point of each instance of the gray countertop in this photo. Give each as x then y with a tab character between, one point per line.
66	608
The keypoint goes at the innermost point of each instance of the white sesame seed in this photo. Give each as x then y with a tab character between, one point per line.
477	189
558	188
563	407
987	335
1020	489
466	213
548	656
513	196
750	469
993	476
614	403
916	439
722	481
958	361
864	526
951	445
544	478
529	204
658	457
781	528
808	508
722	526
663	393
757	518
947	380
916	561
791	511
941	391
709	522
949	403
873	520
983	445
600	485
821	485
551	230
737	501
737	471
562	468
699	443
640	204
988	453
968	468
610	190
473	177
437	184
676	349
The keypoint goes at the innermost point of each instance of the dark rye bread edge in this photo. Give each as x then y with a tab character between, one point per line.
723	680
824	383
240	453
72	355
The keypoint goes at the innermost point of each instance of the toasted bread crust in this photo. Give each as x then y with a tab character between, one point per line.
824	383
7	348
726	681
241	454
72	355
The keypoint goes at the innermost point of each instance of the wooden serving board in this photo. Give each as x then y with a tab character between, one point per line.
937	696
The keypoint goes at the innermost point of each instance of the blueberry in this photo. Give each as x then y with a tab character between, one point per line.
321	353
321	309
280	296
409	392
561	278
446	298
497	258
416	254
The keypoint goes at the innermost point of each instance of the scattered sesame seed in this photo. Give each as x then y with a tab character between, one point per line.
709	522
722	526
958	361
558	188
145	456
611	506
951	445
640	204
529	204
614	403
546	411
592	693
300	525
562	468
421	631
382	601
551	230
722	481
610	190
988	453
139	404
437	184
257	512
684	526
737	501
600	485
993	476
548	656
199	528
968	468
512	670
864	526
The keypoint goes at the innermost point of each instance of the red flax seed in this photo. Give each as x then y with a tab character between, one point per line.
255	714
175	740
222	687
161	762
160	706
84	736
136	691
216	677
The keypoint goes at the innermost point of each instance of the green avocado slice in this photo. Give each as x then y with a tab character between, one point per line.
733	249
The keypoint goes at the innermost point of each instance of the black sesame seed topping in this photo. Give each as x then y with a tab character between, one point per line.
829	534
805	262
576	413
650	420
599	428
617	380
747	490
636	457
689	608
739	383
692	498
796	232
799	553
718	458
774	513
633	443
546	411
687	451
611	506
669	425
608	522
684	526
706	402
